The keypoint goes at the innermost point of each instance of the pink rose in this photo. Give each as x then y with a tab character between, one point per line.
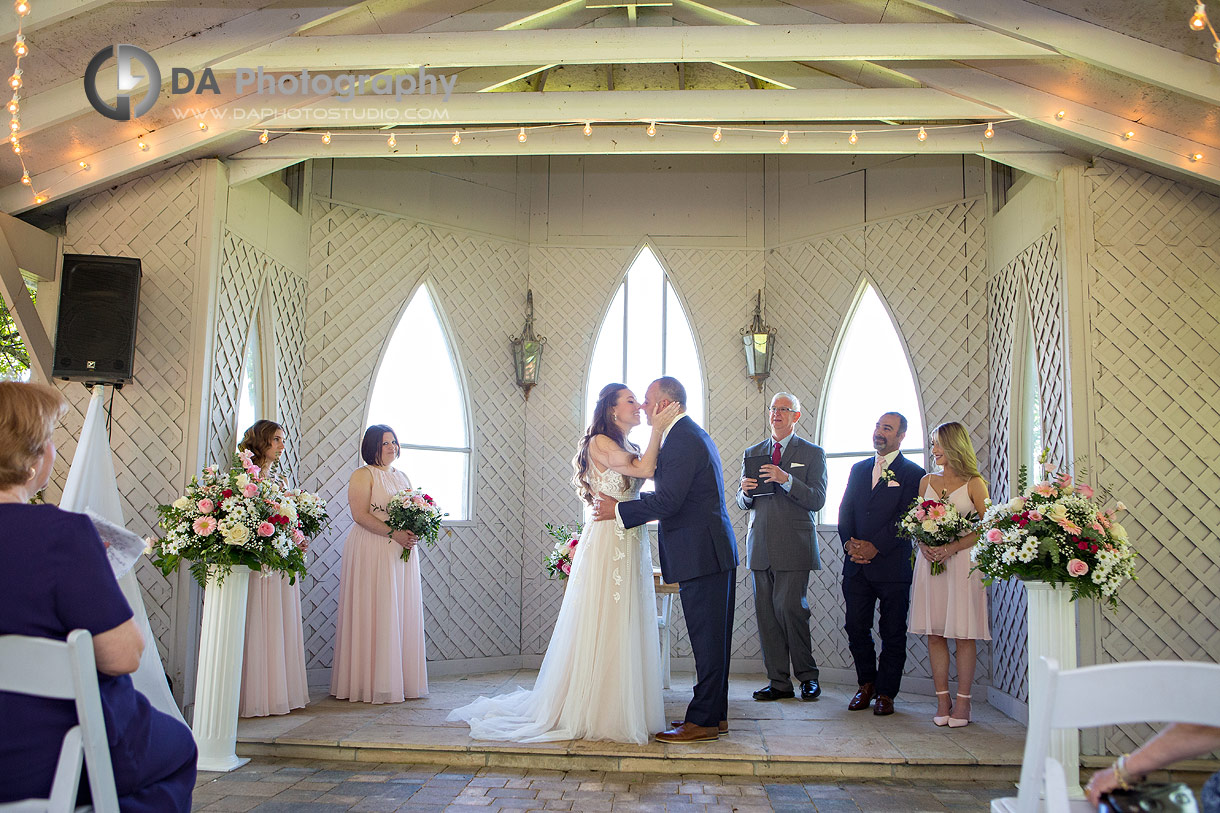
1085	491
920	514
1097	527
1077	568
994	535
204	525
1034	516
205	506
249	489
417	500
252	469
265	529
566	567
1048	467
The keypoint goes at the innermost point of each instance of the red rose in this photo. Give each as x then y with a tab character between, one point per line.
228	492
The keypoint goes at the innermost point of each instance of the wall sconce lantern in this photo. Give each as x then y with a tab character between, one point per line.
527	349
759	341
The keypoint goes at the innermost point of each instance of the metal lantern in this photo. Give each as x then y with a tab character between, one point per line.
527	350
759	342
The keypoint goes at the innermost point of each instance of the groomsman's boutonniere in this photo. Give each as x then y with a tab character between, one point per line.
887	475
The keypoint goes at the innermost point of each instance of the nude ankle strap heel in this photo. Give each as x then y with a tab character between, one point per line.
941	720
955	722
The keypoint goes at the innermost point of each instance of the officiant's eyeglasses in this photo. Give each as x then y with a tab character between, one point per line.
781	409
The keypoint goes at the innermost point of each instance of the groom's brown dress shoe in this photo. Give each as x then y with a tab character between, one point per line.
883	706
722	726
862	698
689	732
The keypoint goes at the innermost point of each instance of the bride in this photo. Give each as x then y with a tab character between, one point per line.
601	677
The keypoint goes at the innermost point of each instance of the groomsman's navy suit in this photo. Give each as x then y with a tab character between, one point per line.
699	552
872	514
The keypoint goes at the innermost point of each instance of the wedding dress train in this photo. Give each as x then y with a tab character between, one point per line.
601	676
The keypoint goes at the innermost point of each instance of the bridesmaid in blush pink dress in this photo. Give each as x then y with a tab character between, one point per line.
273	667
379	632
952	604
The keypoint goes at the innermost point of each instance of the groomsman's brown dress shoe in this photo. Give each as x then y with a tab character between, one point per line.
862	698
883	706
689	732
722	726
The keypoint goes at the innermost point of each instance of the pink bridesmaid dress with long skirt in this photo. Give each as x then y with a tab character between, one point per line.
273	667
952	604
379	632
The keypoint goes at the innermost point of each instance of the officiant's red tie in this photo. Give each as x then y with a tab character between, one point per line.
776	451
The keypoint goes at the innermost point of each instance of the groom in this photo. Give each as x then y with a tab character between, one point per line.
698	551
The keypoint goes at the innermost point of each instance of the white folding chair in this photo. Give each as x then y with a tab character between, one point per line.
66	671
1113	694
665	592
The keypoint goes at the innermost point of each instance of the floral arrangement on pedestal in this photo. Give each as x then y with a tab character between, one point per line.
558	561
415	511
936	523
1056	532
233	517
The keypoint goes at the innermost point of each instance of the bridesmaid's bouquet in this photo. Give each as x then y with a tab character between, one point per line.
558	561
413	510
1057	532
235	516
936	523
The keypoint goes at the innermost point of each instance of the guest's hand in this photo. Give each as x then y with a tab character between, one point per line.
666	416
603	507
861	551
405	538
748	484
1102	782
774	474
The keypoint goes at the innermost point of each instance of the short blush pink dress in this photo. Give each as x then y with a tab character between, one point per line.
379	632
952	604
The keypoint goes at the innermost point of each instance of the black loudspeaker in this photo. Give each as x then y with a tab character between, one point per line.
99	300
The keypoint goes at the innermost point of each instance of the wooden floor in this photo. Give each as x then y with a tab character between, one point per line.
784	738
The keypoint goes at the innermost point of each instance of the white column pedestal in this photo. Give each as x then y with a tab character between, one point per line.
218	685
1052	633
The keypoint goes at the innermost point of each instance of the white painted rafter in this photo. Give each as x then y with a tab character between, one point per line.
49	12
595	46
1090	43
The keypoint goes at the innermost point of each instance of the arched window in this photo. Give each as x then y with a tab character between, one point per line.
250	390
869	376
418	393
646	335
1029	408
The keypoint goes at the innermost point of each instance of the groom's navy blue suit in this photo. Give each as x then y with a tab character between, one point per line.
699	552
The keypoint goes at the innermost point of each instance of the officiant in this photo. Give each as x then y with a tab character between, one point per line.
783	484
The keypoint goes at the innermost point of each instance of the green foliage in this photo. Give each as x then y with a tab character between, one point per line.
14	357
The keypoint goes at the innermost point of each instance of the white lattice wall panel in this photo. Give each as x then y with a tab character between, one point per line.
288	297
363	268
153	219
1154	288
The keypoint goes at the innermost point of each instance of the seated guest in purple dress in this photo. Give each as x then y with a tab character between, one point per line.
56	579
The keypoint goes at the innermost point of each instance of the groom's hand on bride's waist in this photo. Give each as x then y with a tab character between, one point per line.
603	507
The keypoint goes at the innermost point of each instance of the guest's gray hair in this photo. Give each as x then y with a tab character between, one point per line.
796	402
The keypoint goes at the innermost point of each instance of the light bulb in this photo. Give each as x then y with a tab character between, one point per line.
1127	136
1198	20
853	138
22	7
784	138
40	198
25	178
923	134
143	145
17	148
83	164
19	47
391	142
989	132
263	137
1217	46
14	81
203	126
716	136
14	124
14	104
1061	114
457	138
326	138
652	129
521	135
1198	156
13	138
588	129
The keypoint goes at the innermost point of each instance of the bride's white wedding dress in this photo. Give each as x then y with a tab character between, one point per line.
601	675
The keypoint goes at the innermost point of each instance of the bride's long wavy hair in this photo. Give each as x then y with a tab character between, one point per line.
602	424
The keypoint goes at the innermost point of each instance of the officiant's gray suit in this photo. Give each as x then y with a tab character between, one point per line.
781	550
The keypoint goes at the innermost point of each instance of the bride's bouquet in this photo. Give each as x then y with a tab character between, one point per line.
233	517
1057	532
415	511
558	560
936	523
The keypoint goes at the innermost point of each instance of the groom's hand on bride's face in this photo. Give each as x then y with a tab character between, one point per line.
603	507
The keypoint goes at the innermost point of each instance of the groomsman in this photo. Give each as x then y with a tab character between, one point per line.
782	547
877	563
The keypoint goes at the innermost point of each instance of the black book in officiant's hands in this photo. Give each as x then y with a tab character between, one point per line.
753	467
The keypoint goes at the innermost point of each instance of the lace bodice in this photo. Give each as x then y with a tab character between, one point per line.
612	484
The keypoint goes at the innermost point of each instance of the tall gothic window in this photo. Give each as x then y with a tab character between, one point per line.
870	375
250	390
419	394
1030	408
645	335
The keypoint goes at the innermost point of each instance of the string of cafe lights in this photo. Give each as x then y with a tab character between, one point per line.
21	49
1199	21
